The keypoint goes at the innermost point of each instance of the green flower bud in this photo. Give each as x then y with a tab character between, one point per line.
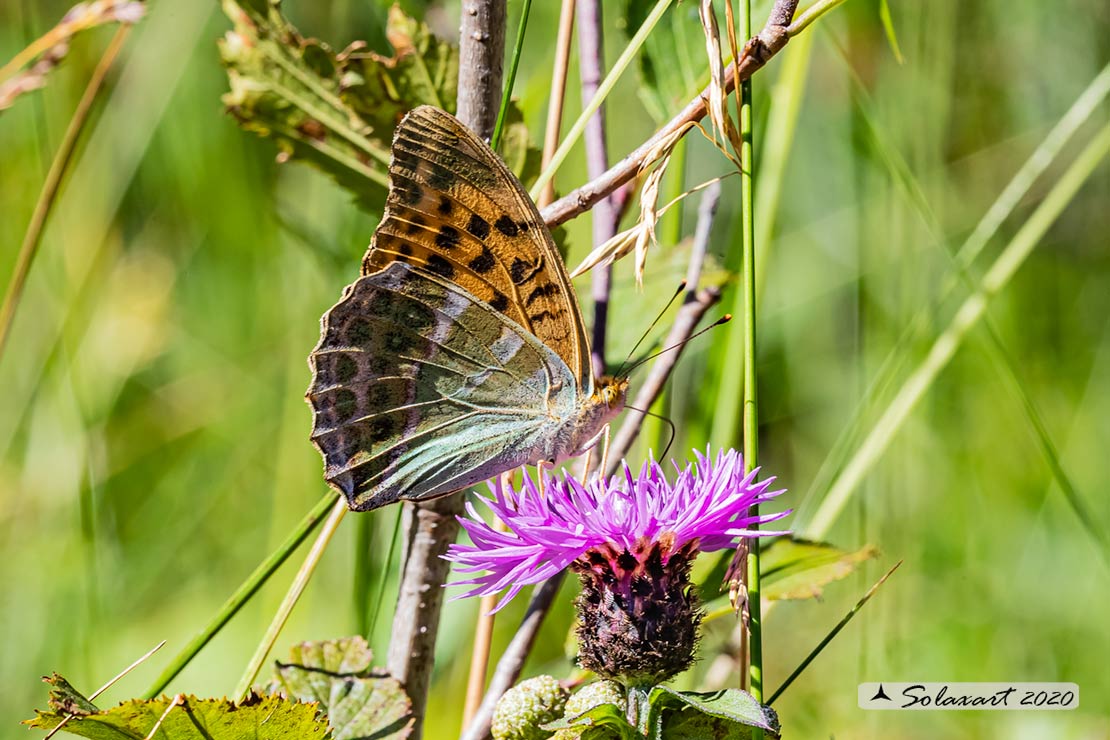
595	694
526	706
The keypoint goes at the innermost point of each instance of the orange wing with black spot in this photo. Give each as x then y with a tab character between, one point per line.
456	210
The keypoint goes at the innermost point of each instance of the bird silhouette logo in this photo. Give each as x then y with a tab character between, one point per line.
880	694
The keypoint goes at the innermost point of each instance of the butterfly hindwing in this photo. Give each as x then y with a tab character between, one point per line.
457	211
419	389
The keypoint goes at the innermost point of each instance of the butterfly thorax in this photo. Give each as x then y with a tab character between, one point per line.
599	409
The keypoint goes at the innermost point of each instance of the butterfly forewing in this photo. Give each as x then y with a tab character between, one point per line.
455	210
419	389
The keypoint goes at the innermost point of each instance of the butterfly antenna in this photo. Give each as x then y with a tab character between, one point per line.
669	423
723	320
620	371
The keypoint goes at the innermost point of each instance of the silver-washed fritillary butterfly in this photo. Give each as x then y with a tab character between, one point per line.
460	353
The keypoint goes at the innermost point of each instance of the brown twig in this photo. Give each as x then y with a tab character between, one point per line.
483	629
431	526
694	307
591	52
481	62
428	527
757	52
47	197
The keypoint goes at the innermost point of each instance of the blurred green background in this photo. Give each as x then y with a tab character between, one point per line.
153	433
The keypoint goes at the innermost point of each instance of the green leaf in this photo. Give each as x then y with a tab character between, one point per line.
673	61
797	569
183	718
64	699
729	714
336	111
516	148
423	70
602	722
359	703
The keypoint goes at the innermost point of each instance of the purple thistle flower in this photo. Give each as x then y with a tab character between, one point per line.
632	541
551	528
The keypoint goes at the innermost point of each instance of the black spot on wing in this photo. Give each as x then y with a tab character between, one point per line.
381	429
541	291
499	302
344	367
445	206
358	332
440	178
406	159
408	192
518	270
379	396
354	439
478	226
506	226
381	303
447	237
413	225
522	271
345	404
440	266
484	262
541	316
395	342
416	316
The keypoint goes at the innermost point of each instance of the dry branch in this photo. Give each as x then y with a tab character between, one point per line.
757	52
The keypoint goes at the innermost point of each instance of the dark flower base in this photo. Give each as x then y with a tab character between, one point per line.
638	614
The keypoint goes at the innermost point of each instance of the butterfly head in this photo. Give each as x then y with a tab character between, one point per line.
584	431
610	394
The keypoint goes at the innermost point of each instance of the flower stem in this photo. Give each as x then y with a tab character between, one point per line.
750	404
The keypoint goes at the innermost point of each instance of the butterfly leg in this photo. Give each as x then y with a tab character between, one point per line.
604	449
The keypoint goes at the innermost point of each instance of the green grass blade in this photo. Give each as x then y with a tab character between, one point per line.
507	92
888	28
833	633
1007	368
1007	201
603	90
242	595
337	509
945	346
778	141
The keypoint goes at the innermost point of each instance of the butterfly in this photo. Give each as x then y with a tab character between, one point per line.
460	353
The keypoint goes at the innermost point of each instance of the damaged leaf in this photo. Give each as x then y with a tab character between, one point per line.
798	569
181	717
359	702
